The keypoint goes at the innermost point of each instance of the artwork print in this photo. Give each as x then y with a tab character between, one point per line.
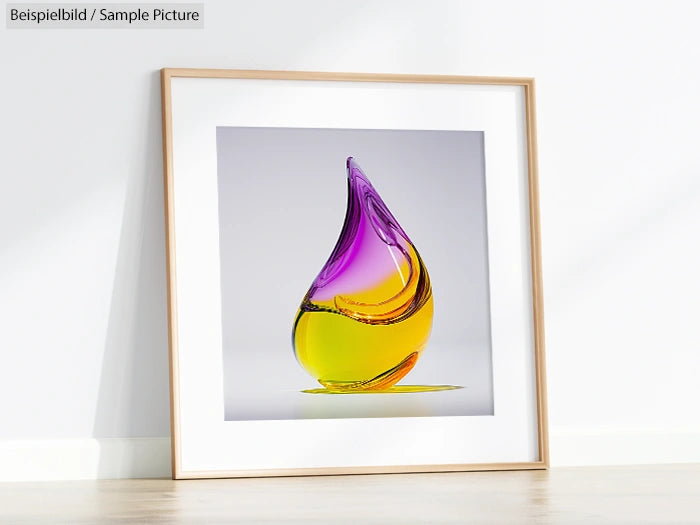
396	323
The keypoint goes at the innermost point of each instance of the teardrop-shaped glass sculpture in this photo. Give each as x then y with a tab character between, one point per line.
367	317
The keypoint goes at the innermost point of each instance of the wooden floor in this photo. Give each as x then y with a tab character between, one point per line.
632	495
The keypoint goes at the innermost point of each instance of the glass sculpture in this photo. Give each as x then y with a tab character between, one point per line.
367	317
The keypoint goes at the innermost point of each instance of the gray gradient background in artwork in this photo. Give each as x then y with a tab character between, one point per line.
282	201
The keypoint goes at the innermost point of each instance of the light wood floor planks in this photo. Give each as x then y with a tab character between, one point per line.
631	495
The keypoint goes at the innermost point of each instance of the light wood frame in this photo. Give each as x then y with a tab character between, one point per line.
528	85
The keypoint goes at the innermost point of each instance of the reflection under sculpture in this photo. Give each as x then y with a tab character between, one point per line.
367	317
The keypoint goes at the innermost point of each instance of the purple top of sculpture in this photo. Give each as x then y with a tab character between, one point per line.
371	244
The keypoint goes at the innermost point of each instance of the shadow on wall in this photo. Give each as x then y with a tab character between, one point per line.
133	399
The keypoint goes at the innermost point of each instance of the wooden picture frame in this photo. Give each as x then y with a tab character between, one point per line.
199	105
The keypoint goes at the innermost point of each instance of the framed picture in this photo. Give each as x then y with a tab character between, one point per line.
353	273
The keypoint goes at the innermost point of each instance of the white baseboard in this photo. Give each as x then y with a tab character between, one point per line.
622	446
70	459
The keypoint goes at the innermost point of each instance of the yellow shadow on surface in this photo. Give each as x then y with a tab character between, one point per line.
398	389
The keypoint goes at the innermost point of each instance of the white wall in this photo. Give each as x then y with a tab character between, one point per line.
83	346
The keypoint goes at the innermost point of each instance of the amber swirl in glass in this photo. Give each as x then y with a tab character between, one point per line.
367	317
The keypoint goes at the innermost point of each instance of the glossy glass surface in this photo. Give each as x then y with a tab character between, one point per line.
367	317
